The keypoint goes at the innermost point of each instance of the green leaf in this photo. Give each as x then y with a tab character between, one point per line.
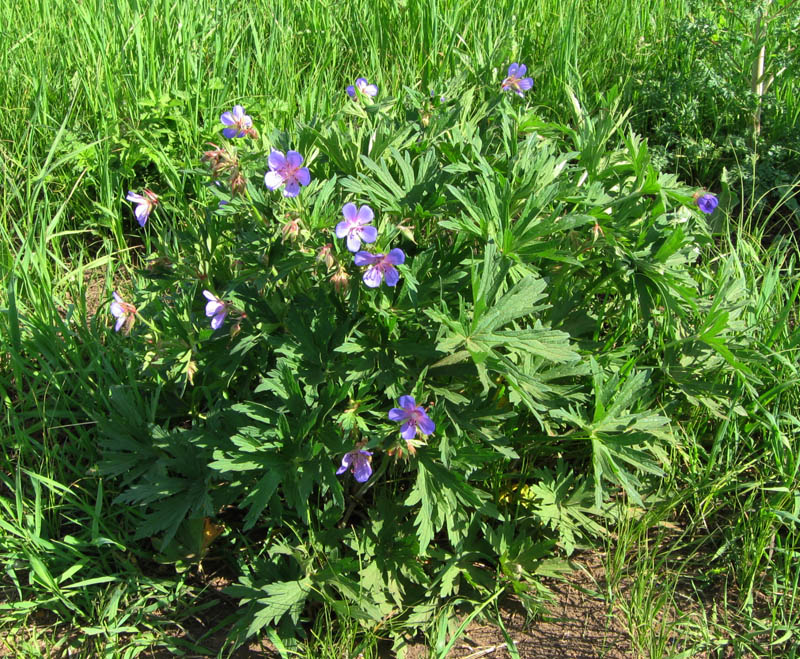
259	497
283	597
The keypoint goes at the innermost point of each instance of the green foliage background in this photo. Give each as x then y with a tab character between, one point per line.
694	324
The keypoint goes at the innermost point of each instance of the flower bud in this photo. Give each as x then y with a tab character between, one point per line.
237	182
290	230
325	255
341	280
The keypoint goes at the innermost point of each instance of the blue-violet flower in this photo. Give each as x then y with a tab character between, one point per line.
216	309
362	86
515	82
413	416
359	460
707	202
240	124
286	170
356	226
124	312
144	204
381	265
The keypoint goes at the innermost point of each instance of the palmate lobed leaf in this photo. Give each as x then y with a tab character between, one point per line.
552	345
522	300
283	598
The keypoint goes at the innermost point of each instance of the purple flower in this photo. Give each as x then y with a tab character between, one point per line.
216	309
144	204
240	123
124	313
356	226
707	202
363	87
515	82
381	265
414	418
359	460
286	169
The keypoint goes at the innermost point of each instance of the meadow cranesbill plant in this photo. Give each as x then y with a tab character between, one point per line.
216	309
380	266
144	204
356	226
286	170
359	461
239	124
707	202
259	399
364	87
515	82
124	312
413	417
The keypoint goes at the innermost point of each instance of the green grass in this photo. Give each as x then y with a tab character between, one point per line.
723	544
101	97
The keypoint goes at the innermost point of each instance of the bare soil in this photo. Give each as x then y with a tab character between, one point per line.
580	625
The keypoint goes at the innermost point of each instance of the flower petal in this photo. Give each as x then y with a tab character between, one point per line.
351	91
361	83
142	212
407	402
292	189
512	69
353	241
362	469
117	297
238	111
396	256
135	198
365	258
213	307
230	133
227	118
342	229
116	310
408	430
525	84
521	70
294	159
372	277
120	322
371	90
426	425
276	159
347	458
273	180
391	275
349	212
398	414
303	175
216	321
365	215
369	234
209	295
